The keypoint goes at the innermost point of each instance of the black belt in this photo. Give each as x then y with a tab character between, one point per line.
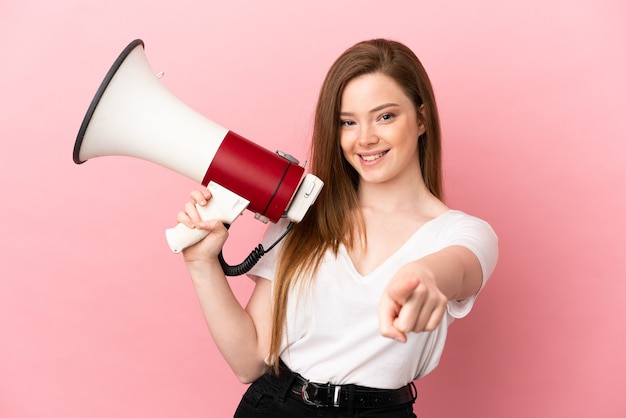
327	395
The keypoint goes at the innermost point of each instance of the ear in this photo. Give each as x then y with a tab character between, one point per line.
421	117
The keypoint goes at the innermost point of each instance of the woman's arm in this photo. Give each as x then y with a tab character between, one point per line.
416	297
241	335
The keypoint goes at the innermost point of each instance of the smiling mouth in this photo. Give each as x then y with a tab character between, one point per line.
374	157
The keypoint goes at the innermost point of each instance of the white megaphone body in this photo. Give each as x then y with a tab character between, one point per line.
134	115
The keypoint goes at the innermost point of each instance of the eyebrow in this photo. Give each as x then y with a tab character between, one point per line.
374	110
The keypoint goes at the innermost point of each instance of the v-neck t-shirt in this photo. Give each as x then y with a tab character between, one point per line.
332	330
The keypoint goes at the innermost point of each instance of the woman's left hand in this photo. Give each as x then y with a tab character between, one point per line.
411	302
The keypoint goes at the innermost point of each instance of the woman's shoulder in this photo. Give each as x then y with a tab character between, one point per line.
459	217
456	226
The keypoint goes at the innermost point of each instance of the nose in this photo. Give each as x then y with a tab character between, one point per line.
367	136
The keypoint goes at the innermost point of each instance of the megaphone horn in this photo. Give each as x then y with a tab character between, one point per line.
133	115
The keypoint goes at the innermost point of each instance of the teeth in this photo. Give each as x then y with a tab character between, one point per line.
373	157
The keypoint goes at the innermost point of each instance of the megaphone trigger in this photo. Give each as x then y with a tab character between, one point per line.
224	205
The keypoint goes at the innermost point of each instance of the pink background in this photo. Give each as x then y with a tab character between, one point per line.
98	318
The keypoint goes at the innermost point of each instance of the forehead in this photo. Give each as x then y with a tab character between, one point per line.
370	90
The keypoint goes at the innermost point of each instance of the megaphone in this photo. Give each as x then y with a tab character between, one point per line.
133	114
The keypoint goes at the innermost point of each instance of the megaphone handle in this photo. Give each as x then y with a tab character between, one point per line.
223	205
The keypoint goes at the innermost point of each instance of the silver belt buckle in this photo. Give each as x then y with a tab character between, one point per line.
336	396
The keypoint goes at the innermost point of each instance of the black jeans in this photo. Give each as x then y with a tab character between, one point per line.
270	397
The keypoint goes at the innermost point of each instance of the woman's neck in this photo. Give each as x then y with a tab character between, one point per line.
405	195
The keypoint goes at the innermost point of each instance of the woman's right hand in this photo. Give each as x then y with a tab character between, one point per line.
210	246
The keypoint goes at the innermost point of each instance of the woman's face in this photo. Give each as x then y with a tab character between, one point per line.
379	129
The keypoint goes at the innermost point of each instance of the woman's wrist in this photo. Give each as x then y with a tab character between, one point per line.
204	269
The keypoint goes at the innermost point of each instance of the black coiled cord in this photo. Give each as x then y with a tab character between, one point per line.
251	260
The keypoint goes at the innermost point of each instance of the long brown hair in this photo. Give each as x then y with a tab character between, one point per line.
335	218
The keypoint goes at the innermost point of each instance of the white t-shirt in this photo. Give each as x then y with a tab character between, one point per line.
332	326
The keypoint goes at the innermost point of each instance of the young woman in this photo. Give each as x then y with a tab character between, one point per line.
354	304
